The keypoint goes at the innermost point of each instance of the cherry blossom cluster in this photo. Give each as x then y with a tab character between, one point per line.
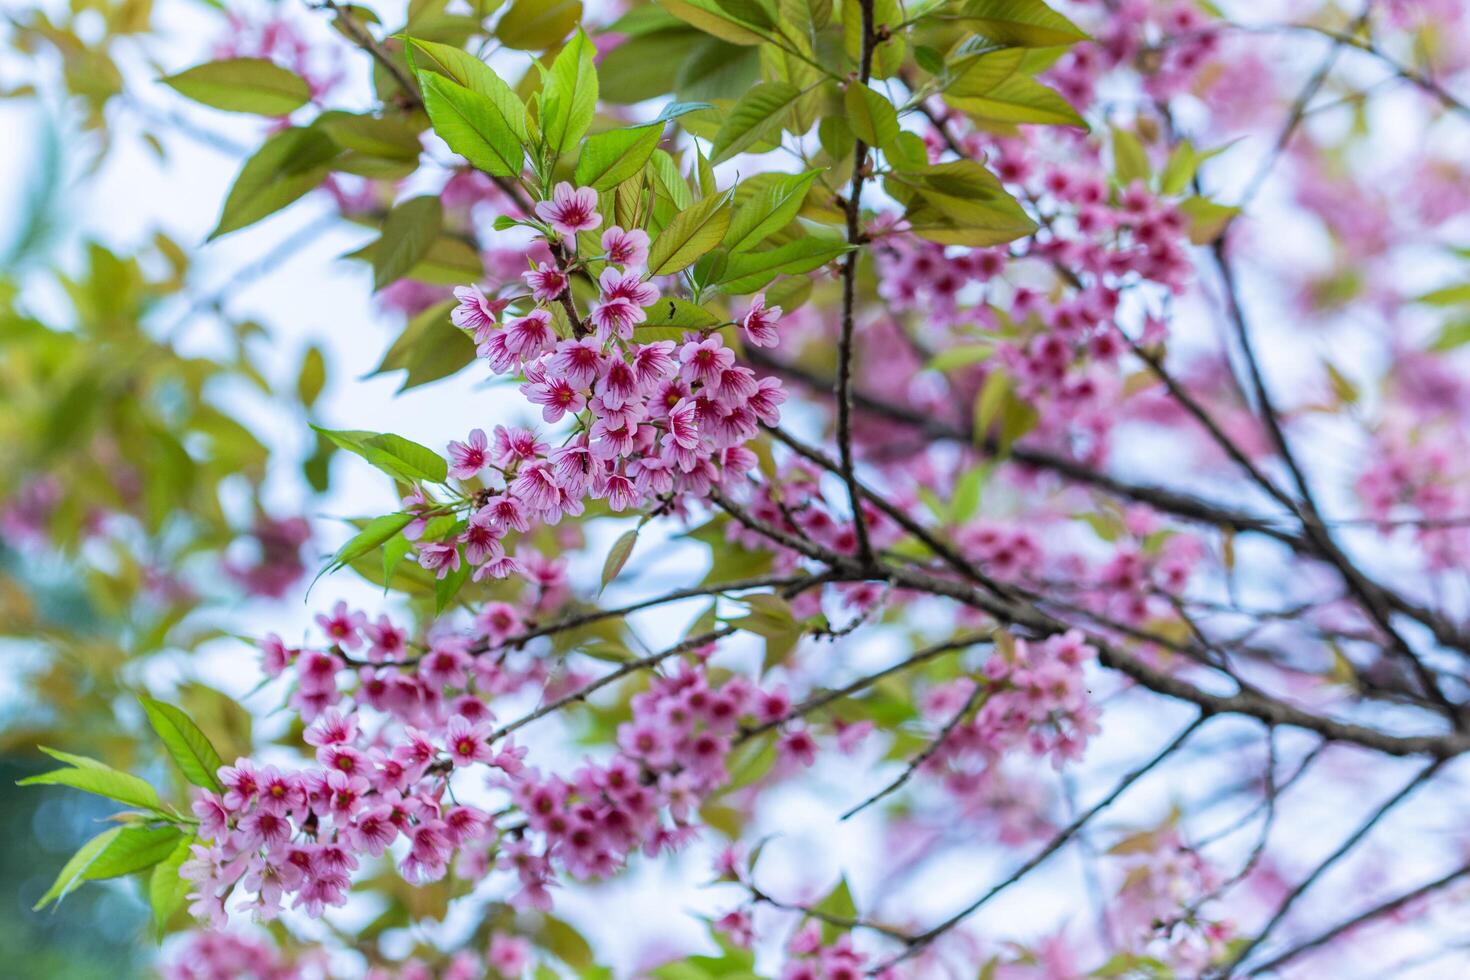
275	564
218	955
1170	44
1159	880
222	955
809	958
1033	698
654	420
388	750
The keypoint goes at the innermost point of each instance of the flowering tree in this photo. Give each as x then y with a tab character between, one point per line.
935	329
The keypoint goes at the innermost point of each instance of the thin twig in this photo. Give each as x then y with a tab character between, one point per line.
922	940
976	694
1347	845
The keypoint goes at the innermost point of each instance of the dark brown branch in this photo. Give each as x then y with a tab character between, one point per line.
1181	505
1246	701
843	386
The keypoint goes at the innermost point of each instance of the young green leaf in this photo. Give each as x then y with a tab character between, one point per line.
1130	160
1021	23
166	887
749	271
71	873
94	777
383	137
378	531
1019	99
758	112
678	314
622	549
692	232
472	125
400	458
253	85
446	588
993	394
979	73
465	69
772	209
569	99
409	231
136	848
871	116
186	744
535	25
291	163
312	377
712	17
405	458
612	157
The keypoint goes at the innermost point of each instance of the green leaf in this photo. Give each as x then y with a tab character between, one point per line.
1448	296
535	25
668	179
961	356
712	17
1130	160
749	271
136	848
1020	23
966	501
291	163
243	85
377	531
446	588
190	749
472	125
1179	169
677	314
1207	219
838	904
676	109
166	887
612	157
1019	99
92	776
389	138
993	395
757	113
771	209
569	99
409	232
465	69
692	232
871	116
75	867
448	262
622	549
959	204
312	377
1452	336
977	74
400	458
429	348
393	553
641	67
